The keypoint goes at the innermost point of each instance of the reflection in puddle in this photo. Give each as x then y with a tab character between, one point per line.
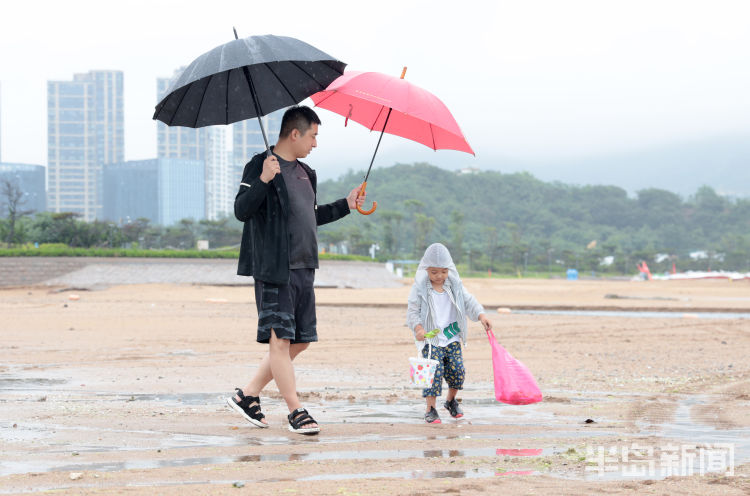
39	466
414	474
519	452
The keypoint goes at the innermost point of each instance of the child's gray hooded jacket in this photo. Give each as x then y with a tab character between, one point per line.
420	308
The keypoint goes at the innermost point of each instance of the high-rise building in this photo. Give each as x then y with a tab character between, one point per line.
177	141
85	131
1	123
219	187
207	144
29	180
163	190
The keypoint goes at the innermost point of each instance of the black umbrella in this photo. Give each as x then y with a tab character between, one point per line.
245	78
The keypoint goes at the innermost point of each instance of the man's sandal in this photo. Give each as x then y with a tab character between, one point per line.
298	419
248	407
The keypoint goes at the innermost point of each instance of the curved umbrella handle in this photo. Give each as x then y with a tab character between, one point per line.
374	204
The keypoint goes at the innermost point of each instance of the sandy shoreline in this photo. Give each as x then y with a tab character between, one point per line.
125	386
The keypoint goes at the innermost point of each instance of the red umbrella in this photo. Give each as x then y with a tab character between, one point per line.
388	104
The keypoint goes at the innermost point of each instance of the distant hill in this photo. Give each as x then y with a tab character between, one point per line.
682	168
723	164
517	215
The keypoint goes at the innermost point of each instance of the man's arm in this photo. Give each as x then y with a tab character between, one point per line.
331	211
252	192
340	208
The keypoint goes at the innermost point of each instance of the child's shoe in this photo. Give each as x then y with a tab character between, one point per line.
432	416
454	408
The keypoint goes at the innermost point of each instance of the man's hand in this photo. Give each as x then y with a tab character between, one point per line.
271	167
353	200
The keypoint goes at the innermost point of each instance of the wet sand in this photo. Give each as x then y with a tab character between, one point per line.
121	391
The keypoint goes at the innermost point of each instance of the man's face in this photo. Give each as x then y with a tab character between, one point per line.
306	142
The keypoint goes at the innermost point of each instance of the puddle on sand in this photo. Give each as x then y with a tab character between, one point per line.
684	427
478	412
189	399
41	466
140	439
13	383
685	440
517	472
639	314
407	474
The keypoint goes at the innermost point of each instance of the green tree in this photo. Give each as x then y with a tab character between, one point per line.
181	235
456	229
391	226
491	245
220	233
14	199
423	227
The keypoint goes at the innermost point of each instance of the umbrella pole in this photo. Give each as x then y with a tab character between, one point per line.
364	183
378	145
255	100
257	108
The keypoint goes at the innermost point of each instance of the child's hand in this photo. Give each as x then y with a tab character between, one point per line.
432	333
485	322
419	332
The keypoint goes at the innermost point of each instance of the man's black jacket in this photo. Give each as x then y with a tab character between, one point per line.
264	208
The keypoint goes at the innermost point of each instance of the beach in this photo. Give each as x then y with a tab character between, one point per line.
120	389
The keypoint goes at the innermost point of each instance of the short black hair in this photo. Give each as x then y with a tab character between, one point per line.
298	117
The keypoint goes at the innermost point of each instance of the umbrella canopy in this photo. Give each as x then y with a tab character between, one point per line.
393	105
417	114
245	78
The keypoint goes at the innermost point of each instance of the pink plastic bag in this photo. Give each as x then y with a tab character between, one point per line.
514	384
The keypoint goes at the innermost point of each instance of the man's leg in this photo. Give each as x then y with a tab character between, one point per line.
263	375
282	370
280	363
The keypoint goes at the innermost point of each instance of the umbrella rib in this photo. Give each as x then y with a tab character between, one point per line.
174	114
372	128
432	135
203	97
226	100
307	74
281	82
328	94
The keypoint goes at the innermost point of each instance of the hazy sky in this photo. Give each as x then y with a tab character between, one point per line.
524	79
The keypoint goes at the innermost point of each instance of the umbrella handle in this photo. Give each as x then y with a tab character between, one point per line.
361	193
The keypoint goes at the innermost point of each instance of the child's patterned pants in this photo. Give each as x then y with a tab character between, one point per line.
450	365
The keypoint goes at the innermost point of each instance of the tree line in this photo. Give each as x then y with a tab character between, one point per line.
513	223
502	223
19	226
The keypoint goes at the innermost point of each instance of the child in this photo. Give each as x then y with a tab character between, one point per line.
439	302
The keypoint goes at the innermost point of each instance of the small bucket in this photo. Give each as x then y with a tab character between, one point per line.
422	371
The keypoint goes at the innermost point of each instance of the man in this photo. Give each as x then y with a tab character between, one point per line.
277	202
